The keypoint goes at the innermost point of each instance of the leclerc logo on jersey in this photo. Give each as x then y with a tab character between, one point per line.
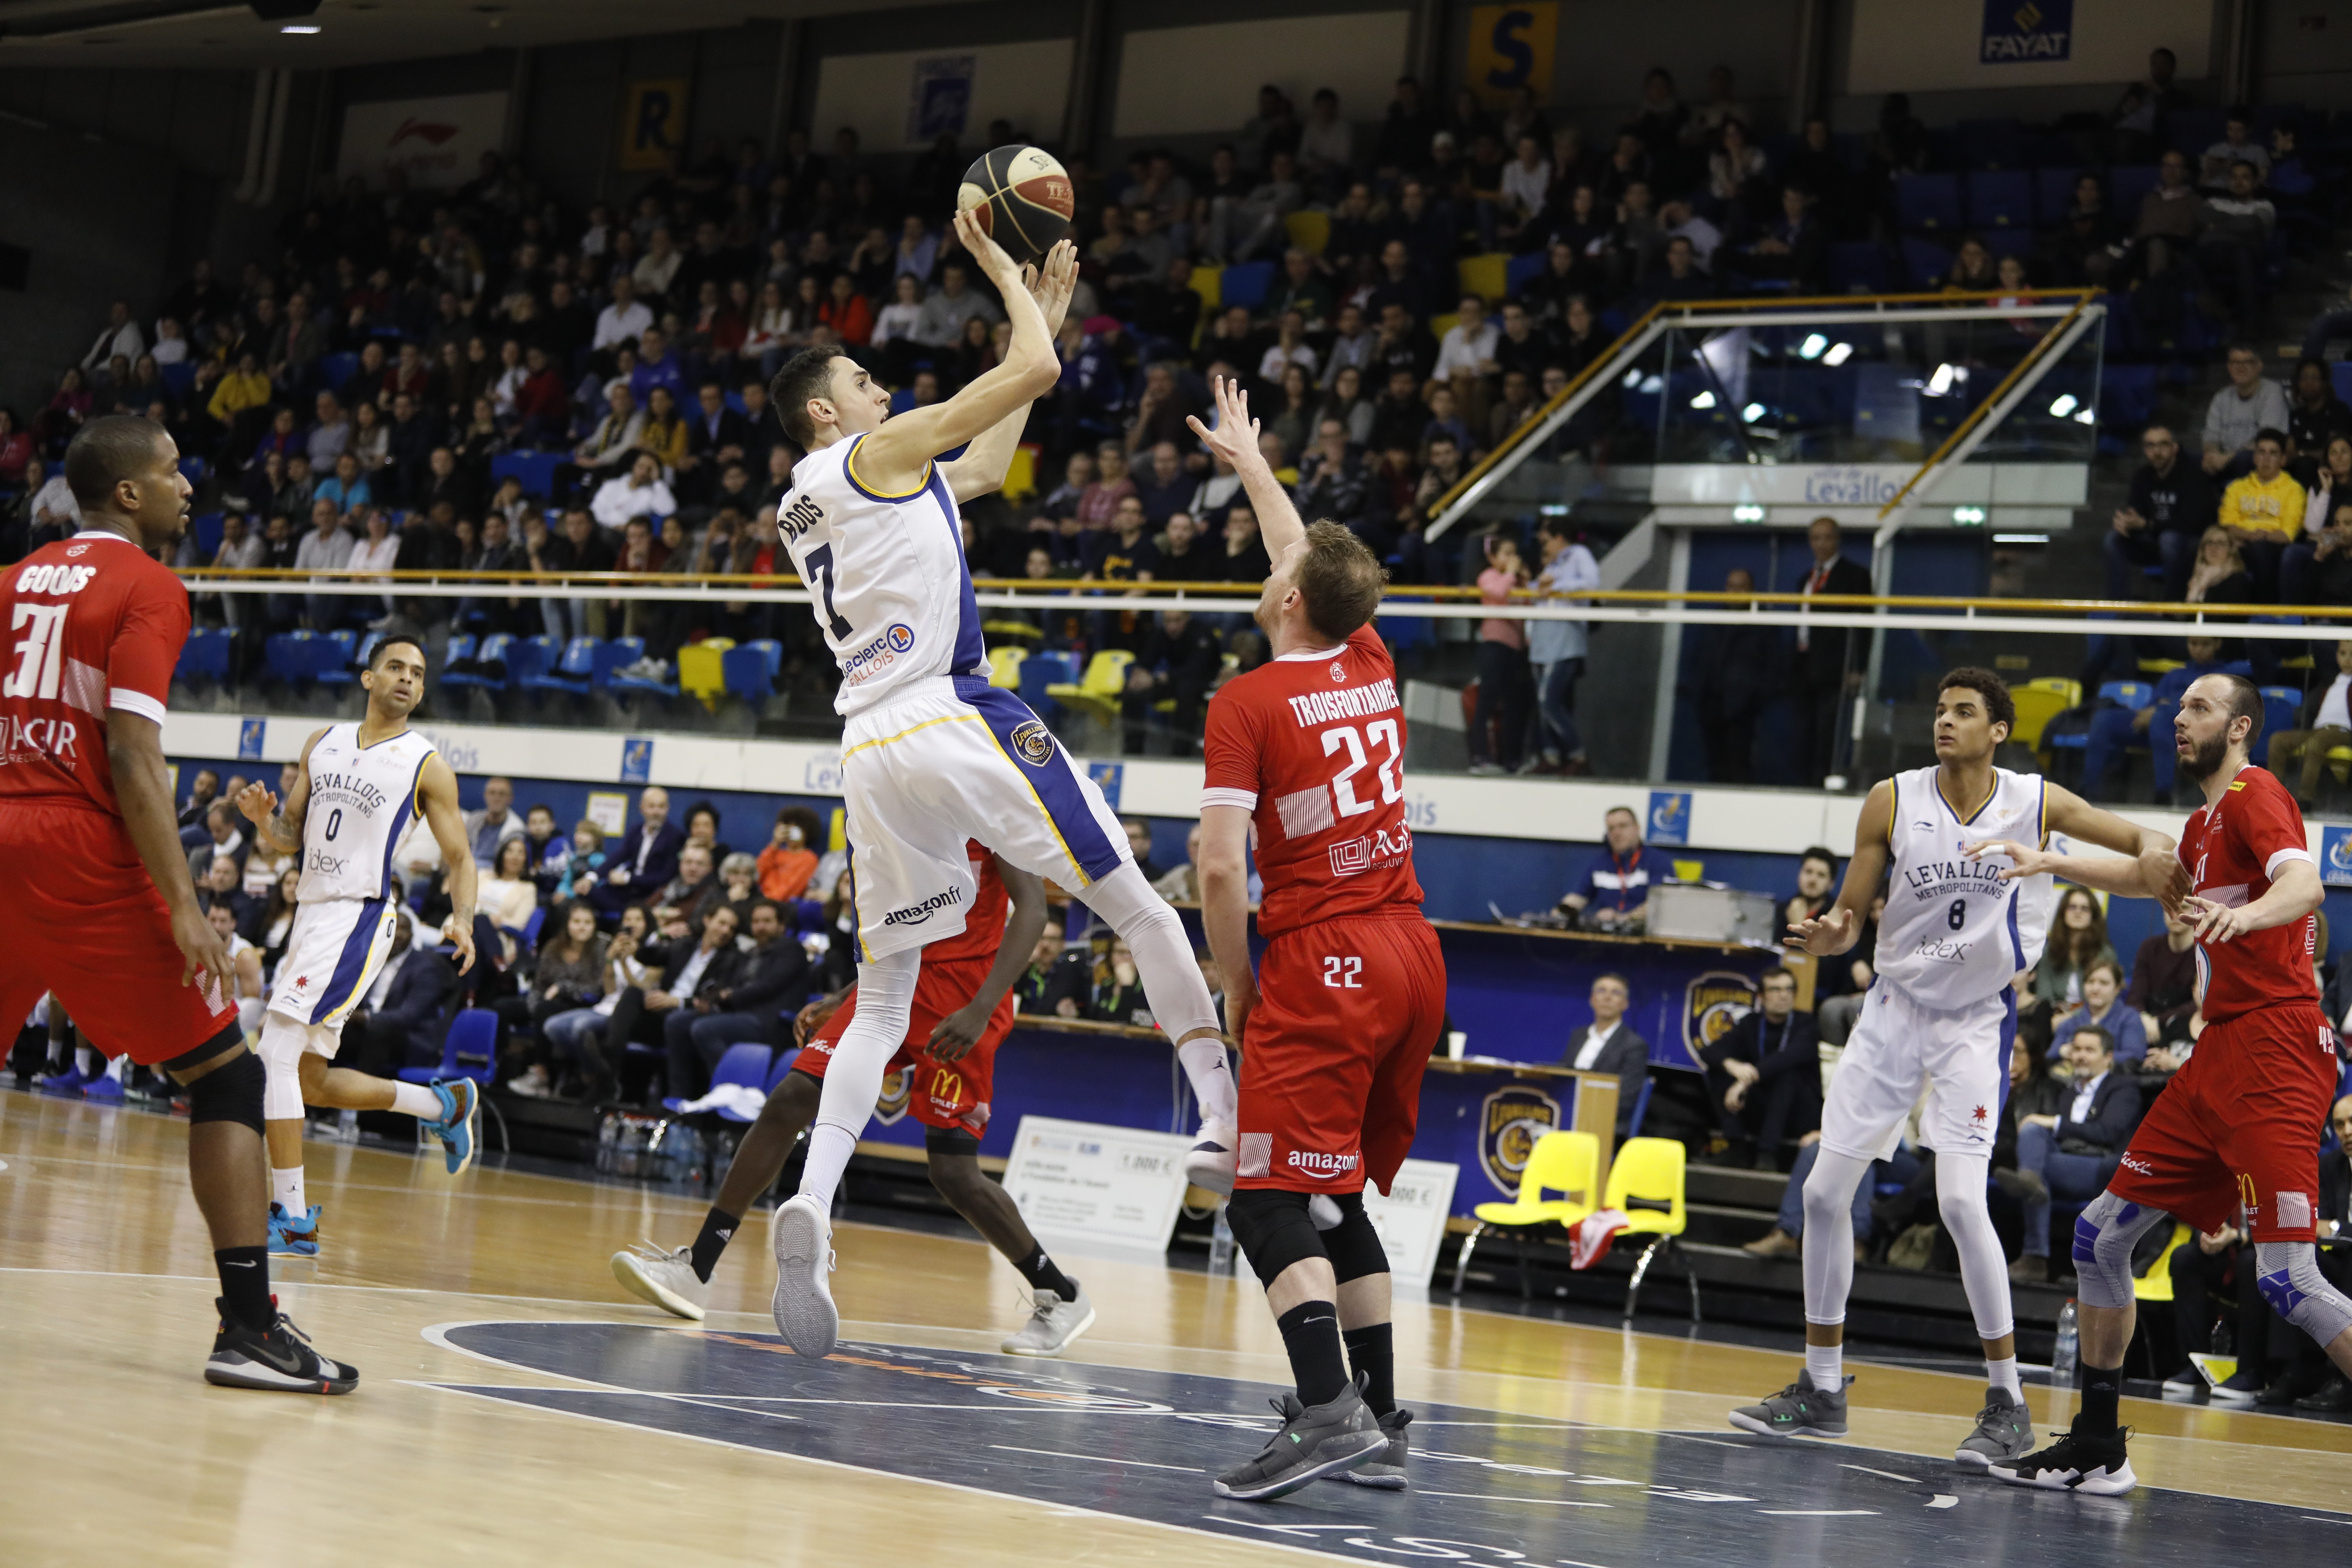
878	655
1032	741
901	636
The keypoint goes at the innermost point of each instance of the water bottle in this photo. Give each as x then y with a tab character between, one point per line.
347	1127
1221	1243
2061	1355
608	1136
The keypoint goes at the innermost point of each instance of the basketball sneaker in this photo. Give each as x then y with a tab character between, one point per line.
1316	1440
1054	1324
1799	1410
2079	1461
105	1088
293	1236
1385	1471
2004	1431
1209	1164
805	1315
279	1358
67	1084
666	1279
461	1115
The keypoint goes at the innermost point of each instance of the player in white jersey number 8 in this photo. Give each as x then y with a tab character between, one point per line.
933	755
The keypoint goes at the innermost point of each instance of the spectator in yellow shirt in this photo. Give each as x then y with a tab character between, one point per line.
242	388
2263	512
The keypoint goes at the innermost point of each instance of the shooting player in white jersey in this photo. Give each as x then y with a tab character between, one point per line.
933	756
360	786
1943	1010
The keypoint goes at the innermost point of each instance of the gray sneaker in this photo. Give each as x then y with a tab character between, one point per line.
803	1234
1385	1471
1316	1440
1054	1323
666	1279
1799	1410
2004	1432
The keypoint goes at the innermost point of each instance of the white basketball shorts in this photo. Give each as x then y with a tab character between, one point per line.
958	759
333	955
1960	1054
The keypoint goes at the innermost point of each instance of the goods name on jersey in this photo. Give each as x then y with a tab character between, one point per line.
1941	878
797	519
54	579
1347	702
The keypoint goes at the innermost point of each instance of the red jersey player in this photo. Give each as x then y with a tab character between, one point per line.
96	905
1308	750
2242	1123
963	1011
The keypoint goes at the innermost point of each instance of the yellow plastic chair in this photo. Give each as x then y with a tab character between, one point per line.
2038	702
1004	667
1566	1162
2159	667
1646	1182
1441	325
1101	689
1020	629
699	669
2156	1284
2339	762
1020	474
1484	275
1310	231
1209	283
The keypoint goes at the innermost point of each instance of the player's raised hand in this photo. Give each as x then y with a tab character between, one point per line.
2215	922
1236	437
257	801
1825	936
460	934
987	252
1053	283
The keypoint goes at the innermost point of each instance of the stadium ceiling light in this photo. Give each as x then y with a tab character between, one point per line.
2065	405
2086	415
1554	510
300	27
1969	516
1652	384
2021	539
1633	378
1748	511
1704	400
1839	354
1941	382
1813	346
1751	413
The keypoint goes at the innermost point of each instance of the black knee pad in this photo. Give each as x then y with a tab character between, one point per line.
230	1092
1274	1230
1353	1245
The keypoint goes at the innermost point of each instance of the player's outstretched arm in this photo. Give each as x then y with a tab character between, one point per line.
142	787
281	830
1223	866
893	456
2295	892
1235	440
981	470
1826	936
2157	855
440	789
961	1029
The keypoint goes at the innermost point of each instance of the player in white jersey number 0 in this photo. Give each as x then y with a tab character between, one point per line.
1942	1011
932	756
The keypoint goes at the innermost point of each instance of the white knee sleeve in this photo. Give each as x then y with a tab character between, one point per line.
282	1042
853	1078
1984	1268
1171	981
2287	1274
1827	1256
2105	1235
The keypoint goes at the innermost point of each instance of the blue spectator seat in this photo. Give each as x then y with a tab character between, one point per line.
528	657
1247	285
619	682
569	671
1928	204
331	654
471	1050
2340	373
1042	669
1925	264
535	469
286	655
2127	395
2279	706
745	1064
205	526
1859	267
194	469
205	654
902	400
778	1069
745	672
493	650
1521	271
178	378
336	369
611	654
460	646
772	651
2016	242
2132	694
2129	183
2000	198
2053	193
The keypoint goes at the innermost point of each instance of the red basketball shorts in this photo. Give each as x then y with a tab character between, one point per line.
80	918
2242	1123
1348	1012
948	1095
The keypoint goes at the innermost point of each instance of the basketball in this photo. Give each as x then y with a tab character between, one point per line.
1023	198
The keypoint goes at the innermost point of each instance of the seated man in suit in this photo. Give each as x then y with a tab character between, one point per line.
755	1001
2072	1154
641	864
1765	1076
1057	980
404	1017
1609	1044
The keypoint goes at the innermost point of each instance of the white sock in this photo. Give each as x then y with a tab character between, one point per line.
829	1149
1212	1073
1171	983
415	1100
2002	1374
286	1190
1826	1365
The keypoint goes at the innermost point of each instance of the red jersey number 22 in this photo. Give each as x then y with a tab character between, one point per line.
1381	732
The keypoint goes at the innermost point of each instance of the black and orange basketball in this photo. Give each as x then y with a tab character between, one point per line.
1023	198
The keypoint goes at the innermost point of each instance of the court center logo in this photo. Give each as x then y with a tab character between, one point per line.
1032	741
1712	1004
898	1092
1509	1122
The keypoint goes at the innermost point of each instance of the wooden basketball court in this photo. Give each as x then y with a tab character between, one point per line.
515	1406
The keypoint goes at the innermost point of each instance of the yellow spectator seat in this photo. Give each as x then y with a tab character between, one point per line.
1484	275
1645	1181
1209	283
1441	325
1004	667
1099	691
1022	630
2156	1284
1564	1162
2159	667
1310	231
699	670
1020	474
2339	762
2038	702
